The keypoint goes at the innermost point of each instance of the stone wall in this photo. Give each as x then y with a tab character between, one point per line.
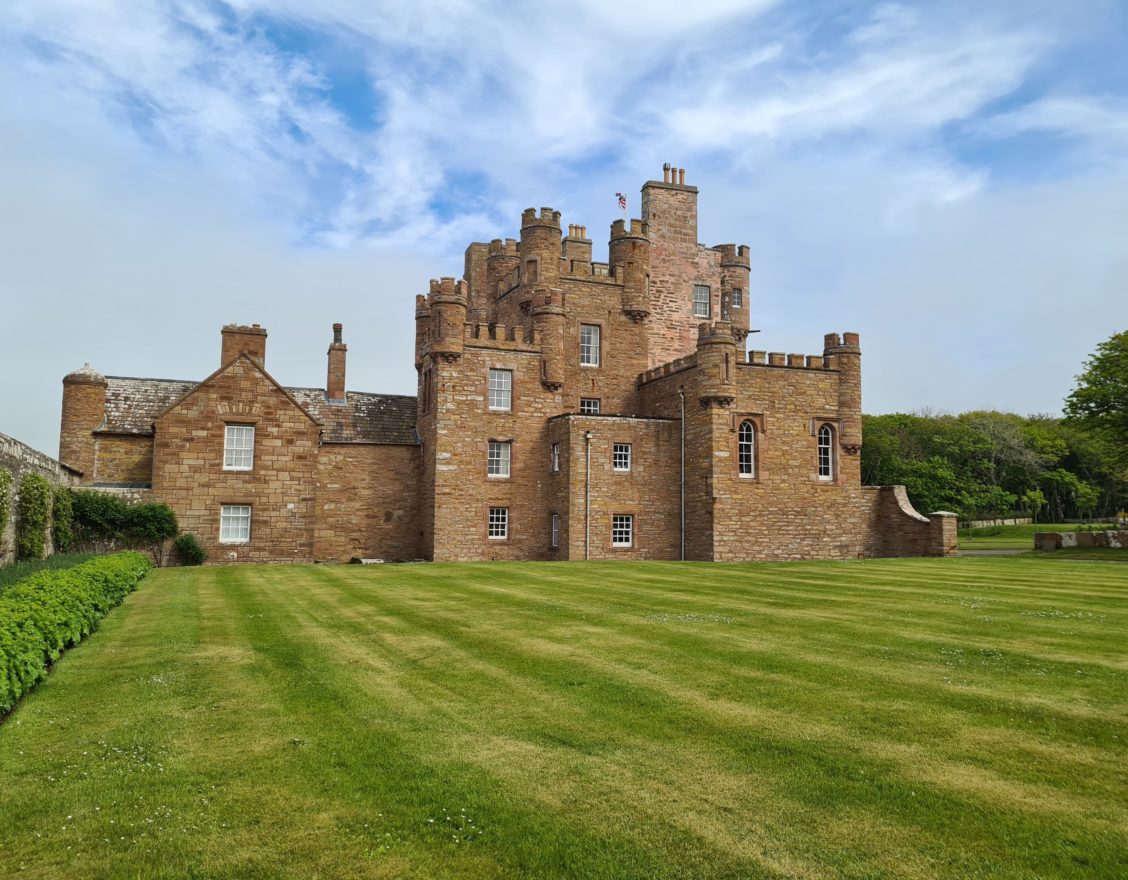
123	460
367	502
1049	541
18	459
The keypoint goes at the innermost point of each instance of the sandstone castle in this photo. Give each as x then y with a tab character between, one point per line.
566	409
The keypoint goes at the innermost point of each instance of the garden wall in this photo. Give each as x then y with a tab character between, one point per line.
17	459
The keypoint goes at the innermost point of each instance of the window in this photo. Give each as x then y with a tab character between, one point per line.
746	449
554	457
238	447
501	389
499	523
589	345
234	523
622	529
621	457
589	406
701	307
826	453
497	461
556	530
737	297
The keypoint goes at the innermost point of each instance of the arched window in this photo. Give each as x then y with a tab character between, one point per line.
746	449
826	453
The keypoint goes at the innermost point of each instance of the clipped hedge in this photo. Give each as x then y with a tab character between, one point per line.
47	612
32	517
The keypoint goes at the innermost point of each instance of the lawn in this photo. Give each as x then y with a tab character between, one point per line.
963	718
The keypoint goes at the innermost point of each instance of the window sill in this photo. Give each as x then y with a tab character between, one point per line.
238	470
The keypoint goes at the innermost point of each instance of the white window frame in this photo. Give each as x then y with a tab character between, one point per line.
593	404
590	353
555	526
497	524
235	524
501	390
554	458
499	459
622	530
746	450
621	458
826	452
737	297
707	303
239	447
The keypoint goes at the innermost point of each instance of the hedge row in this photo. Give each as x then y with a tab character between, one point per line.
47	612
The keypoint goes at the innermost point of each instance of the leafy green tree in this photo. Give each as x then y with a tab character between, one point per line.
1099	403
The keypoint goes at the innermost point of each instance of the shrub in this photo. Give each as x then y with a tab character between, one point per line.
62	519
5	498
10	575
103	523
47	612
189	551
32	515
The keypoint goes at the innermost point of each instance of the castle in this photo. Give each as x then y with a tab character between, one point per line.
566	409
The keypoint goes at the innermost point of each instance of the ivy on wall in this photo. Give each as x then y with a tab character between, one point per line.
5	498
32	517
62	519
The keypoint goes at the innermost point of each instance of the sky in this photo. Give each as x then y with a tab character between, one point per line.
949	178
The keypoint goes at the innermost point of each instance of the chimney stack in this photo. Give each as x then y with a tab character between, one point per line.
239	338
335	383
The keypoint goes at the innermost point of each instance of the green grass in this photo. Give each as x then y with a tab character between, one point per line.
17	571
1017	537
963	718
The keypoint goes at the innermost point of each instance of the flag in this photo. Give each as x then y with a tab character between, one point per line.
622	200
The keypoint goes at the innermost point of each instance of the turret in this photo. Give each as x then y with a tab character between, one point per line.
335	377
845	355
501	260
539	249
478	294
548	324
447	303
422	328
716	361
735	269
629	256
84	409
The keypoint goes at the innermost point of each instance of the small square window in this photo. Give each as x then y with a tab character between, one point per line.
621	457
701	306
589	345
556	530
622	529
499	523
234	523
501	389
238	447
737	297
554	458
589	406
497	460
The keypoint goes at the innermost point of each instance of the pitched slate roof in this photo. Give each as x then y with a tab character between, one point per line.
132	404
362	418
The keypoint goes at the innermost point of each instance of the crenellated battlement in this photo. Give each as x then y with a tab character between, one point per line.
635	229
715	331
546	217
548	299
447	289
733	255
668	369
500	248
503	337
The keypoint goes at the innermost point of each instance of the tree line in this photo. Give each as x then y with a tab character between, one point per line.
985	463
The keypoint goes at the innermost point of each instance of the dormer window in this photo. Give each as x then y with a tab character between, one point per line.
239	448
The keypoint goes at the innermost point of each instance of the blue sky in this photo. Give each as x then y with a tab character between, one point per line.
950	179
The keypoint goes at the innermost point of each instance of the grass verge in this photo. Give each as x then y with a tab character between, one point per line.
887	718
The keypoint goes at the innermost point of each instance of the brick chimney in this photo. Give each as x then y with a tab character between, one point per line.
239	338
335	383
